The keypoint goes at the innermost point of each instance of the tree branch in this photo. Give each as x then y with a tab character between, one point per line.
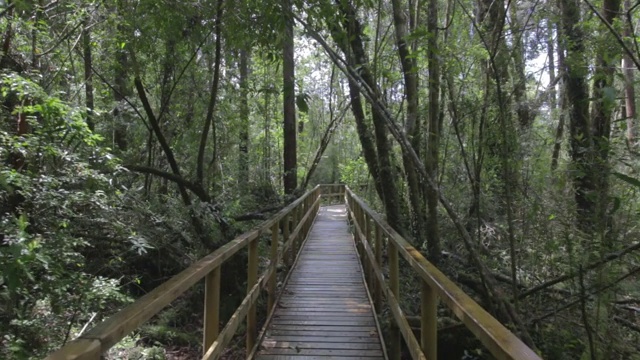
212	100
570	275
615	34
193	187
153	121
589	293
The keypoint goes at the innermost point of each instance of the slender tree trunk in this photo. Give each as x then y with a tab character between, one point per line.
366	137
433	141
413	125
8	36
562	104
289	106
603	108
266	145
37	15
324	142
391	197
243	156
577	97
213	97
629	87
525	118
88	74
121	88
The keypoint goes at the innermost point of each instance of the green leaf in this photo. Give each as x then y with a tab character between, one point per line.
627	179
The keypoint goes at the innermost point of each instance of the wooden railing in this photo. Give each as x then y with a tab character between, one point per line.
371	234
295	220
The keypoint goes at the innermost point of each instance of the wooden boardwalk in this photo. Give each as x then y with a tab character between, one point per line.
325	311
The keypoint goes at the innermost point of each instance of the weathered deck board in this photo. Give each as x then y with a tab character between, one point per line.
324	311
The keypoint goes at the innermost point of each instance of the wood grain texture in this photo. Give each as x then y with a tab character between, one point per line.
324	310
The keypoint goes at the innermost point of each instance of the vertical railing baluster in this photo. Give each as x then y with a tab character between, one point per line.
211	309
394	284
303	230
429	322
294	241
274	263
378	287
308	210
252	278
367	237
359	222
299	238
286	233
356	235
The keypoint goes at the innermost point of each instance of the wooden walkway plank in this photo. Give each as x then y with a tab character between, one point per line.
325	310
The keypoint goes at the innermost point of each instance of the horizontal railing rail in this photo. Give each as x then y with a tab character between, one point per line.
295	220
501	342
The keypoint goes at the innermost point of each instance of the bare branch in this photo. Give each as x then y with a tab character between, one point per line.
195	188
570	275
615	34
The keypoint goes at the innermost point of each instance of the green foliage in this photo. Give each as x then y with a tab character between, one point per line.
628	179
354	173
47	206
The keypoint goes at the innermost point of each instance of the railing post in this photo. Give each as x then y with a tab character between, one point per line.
356	220
211	309
294	243
274	262
378	287
303	230
362	223
394	284
429	322
286	221
252	278
367	237
308	210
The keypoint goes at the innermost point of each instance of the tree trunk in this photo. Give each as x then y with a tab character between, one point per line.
243	155
391	197
433	141
289	107
577	97
88	74
523	112
629	88
413	125
603	107
120	89
562	105
5	59
324	142
213	97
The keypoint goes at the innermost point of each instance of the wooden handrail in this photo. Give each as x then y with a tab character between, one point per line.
295	220
501	342
370	231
